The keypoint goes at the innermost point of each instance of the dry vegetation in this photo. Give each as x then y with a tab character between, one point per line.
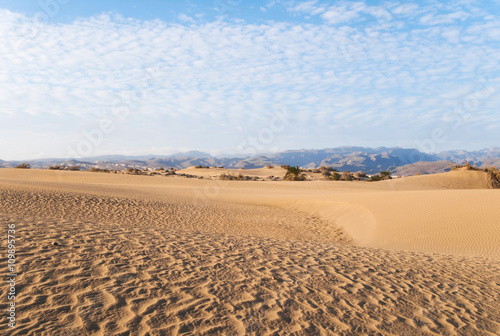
237	177
293	173
24	166
99	170
74	168
493	172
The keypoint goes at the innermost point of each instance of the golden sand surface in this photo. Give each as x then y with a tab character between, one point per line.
156	255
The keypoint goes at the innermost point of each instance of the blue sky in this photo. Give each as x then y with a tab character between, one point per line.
86	78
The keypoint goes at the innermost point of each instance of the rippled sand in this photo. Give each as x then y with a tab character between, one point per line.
150	255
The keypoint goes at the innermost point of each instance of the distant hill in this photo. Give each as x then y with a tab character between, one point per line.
490	163
191	154
402	161
370	160
471	156
423	168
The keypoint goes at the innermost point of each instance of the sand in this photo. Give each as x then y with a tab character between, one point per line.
152	255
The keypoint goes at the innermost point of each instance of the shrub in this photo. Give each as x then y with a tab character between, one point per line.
232	177
465	165
99	170
65	168
294	174
269	166
133	171
385	175
494	174
360	176
347	176
24	166
324	169
335	176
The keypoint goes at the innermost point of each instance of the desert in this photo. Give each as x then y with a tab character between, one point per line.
249	168
117	254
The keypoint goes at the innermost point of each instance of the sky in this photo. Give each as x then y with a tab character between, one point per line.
88	78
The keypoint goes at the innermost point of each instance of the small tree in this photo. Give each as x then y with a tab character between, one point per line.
294	174
24	166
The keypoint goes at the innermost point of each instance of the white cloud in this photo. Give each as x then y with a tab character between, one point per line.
308	7
183	84
184	18
343	13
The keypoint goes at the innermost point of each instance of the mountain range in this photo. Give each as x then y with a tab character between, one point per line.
402	161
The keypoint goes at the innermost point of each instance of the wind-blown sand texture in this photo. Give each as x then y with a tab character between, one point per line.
152	255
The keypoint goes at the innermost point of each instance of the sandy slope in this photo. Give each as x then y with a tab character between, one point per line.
144	255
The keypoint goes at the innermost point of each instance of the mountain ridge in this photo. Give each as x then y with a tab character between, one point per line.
352	158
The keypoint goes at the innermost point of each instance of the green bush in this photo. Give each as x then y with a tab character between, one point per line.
294	174
385	175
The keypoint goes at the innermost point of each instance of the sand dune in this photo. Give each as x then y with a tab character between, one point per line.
216	172
150	255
